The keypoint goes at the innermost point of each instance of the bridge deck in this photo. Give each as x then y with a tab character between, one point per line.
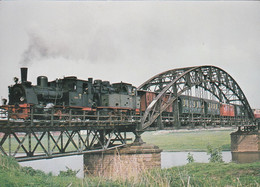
56	125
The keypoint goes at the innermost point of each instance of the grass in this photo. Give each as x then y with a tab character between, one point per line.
12	174
195	174
189	140
211	174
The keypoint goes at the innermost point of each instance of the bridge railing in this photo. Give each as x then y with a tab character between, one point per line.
29	115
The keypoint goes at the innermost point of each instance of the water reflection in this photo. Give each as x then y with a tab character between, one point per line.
246	157
168	159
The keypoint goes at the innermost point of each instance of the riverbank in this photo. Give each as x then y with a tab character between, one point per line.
190	140
195	174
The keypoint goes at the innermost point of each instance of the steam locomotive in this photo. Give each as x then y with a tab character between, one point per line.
70	93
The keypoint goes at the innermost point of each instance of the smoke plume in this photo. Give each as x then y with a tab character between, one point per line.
94	49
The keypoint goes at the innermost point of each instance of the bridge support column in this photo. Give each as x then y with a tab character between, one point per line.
124	162
245	146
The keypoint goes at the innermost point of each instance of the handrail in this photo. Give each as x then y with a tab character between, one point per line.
71	116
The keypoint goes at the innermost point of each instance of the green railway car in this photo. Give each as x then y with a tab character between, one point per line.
189	105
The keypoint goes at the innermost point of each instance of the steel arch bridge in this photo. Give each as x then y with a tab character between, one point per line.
48	138
196	81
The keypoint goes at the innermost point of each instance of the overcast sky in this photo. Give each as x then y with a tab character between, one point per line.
129	41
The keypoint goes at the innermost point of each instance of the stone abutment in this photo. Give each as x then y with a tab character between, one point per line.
245	146
124	163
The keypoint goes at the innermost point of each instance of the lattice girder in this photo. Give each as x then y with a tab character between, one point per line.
210	78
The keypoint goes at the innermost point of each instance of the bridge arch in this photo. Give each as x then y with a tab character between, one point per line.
173	83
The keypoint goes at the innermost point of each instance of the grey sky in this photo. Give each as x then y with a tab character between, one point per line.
129	41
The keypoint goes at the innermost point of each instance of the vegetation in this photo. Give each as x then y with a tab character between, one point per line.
190	158
189	140
198	174
12	174
215	173
68	173
192	174
215	154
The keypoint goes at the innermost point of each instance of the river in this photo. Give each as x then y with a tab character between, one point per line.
168	159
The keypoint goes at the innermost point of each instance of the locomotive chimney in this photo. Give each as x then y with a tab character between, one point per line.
24	74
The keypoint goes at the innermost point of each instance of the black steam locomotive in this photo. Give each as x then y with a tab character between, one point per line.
71	93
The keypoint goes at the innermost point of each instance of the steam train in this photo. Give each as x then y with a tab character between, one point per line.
70	93
95	96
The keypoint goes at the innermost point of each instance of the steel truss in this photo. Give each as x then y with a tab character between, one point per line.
32	145
173	83
43	136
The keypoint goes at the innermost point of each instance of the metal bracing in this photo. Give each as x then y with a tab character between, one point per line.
33	145
47	135
210	78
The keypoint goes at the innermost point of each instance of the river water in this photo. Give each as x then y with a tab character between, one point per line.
168	159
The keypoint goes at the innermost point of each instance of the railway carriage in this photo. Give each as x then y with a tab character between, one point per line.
190	105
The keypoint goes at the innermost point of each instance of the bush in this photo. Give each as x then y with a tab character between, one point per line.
190	158
215	154
68	173
31	171
7	162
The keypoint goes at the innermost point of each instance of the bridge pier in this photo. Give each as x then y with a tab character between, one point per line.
123	163
245	146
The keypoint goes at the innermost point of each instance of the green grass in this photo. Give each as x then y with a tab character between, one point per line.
195	174
211	174
12	174
189	140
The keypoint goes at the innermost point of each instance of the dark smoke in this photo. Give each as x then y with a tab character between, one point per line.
37	49
94	49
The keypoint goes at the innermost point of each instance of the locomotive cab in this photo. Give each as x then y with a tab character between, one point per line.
77	93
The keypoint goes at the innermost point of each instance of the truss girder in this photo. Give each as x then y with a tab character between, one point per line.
212	79
33	145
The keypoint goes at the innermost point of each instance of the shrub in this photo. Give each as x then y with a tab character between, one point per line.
190	158
31	171
215	154
68	173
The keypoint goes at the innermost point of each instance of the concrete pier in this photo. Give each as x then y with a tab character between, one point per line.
245	146
123	163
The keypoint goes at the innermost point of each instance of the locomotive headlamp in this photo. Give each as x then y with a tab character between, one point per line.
16	80
22	99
